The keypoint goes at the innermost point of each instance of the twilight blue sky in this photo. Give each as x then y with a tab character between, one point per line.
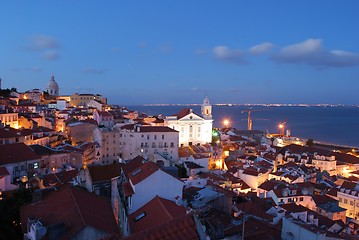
137	52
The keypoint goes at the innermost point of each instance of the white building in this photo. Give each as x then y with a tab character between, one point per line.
149	181
153	142
193	129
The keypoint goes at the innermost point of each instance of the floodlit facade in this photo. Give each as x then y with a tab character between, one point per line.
193	128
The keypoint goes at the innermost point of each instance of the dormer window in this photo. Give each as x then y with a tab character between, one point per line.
139	217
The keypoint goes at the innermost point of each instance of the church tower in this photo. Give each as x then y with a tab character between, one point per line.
206	109
52	87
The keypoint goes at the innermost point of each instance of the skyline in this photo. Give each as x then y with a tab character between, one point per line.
240	53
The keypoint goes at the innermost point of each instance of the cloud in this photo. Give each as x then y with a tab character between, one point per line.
261	48
311	52
90	70
223	53
51	55
42	42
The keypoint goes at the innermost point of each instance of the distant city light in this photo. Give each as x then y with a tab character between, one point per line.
226	122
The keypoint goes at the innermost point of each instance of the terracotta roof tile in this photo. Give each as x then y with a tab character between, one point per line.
143	172
132	165
182	228
184	112
3	172
73	207
104	114
156	212
60	178
156	129
103	173
127	189
12	153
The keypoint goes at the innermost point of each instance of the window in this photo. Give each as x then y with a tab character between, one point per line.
163	136
301	199
351	203
340	199
148	137
345	201
172	145
155	137
139	217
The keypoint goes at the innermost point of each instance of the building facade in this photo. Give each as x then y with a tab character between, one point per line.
193	129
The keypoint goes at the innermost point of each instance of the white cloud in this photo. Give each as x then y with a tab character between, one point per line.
224	53
51	55
312	52
261	48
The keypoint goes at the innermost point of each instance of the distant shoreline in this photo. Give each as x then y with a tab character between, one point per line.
249	105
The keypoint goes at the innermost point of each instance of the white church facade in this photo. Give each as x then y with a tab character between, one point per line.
193	129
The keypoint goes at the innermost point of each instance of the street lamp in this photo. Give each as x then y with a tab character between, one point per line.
281	127
226	122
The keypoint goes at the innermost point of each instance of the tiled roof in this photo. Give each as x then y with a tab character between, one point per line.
57	179
156	129
102	173
9	132
192	165
3	172
156	212
331	207
132	165
74	207
13	153
346	158
182	228
127	189
142	172
44	151
104	113
269	185
184	112
212	176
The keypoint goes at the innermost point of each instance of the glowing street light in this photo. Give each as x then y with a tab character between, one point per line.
226	122
281	127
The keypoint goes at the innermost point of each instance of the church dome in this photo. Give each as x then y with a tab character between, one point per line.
52	87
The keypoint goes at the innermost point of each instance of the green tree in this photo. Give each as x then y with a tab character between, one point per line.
310	142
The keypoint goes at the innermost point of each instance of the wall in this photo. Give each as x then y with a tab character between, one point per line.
161	184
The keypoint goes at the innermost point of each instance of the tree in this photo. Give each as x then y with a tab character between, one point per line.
310	142
10	227
272	140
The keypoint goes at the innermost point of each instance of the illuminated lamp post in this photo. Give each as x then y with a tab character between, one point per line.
226	123
281	127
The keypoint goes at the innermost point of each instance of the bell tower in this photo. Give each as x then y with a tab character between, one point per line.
206	109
